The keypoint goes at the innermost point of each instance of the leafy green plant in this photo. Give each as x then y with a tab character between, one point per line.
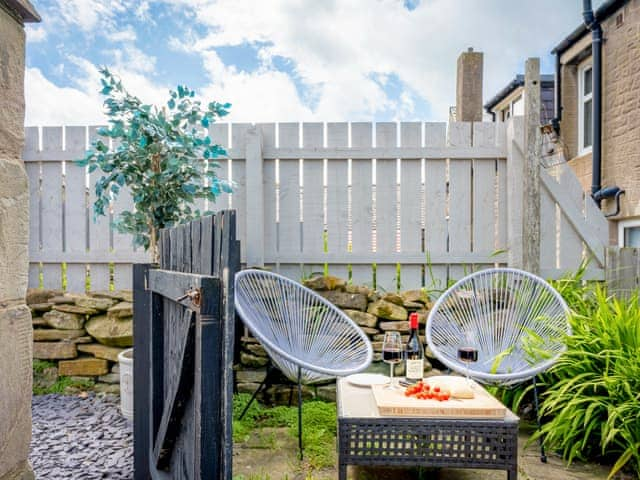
163	155
593	394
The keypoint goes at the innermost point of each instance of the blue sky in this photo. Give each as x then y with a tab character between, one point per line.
283	60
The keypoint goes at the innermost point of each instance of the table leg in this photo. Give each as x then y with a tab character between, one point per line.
512	474
342	472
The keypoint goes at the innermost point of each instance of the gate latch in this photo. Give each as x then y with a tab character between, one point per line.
193	295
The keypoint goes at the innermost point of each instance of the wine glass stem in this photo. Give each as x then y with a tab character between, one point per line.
393	367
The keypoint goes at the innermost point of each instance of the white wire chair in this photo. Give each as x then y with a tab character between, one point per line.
515	321
308	338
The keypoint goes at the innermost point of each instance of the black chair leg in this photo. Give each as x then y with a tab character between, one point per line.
300	411
543	456
265	381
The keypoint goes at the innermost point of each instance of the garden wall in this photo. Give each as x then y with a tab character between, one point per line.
375	312
82	335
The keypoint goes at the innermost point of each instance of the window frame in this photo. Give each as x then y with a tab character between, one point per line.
623	225
582	99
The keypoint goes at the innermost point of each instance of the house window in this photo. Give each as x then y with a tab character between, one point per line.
585	109
629	233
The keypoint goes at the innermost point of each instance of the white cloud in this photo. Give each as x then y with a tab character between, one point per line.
35	33
342	53
126	35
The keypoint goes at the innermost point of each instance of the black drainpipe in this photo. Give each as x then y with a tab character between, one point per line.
557	114
596	51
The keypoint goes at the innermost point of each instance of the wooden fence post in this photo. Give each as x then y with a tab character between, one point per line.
531	171
622	271
254	244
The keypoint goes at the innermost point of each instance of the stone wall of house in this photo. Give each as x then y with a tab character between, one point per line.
375	313
15	318
621	108
82	334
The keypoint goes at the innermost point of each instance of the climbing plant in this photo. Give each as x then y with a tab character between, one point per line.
162	155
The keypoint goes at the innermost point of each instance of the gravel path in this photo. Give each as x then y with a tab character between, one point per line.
80	438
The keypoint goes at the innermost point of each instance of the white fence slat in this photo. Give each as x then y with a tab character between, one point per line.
76	275
33	173
548	231
123	276
361	203
411	201
313	212
34	275
459	134
268	131
386	205
337	197
459	212
435	134
501	230
289	191
75	205
435	209
270	225
99	231
219	134
484	134
289	225
239	195
52	204
484	203
595	219
571	248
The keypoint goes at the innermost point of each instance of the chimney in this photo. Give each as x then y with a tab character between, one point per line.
469	87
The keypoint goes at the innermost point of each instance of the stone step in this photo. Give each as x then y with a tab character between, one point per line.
83	366
54	350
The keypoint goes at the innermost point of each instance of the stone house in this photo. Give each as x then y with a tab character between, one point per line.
510	100
15	317
605	155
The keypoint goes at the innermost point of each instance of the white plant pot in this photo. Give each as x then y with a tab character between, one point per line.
125	359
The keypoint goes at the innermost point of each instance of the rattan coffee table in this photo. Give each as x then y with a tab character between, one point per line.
366	438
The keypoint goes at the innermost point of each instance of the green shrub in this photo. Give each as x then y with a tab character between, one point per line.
593	395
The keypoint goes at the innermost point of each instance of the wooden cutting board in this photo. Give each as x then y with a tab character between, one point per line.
394	403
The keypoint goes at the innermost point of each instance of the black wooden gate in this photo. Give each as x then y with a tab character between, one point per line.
183	353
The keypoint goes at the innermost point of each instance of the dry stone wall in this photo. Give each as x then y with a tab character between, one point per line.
82	333
374	312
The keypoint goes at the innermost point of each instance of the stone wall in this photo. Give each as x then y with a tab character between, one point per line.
620	108
15	321
82	334
375	313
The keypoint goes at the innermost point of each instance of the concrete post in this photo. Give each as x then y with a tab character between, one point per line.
469	87
531	171
16	335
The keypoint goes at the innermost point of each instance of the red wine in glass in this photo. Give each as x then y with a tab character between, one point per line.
392	356
468	355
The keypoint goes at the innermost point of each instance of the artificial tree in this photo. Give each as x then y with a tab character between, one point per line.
164	156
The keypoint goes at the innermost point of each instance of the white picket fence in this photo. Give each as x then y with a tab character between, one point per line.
395	205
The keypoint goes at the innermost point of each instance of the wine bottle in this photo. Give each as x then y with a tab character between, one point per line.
414	352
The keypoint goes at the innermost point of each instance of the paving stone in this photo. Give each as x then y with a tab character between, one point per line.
75	309
83	366
54	350
121	310
49	334
101	351
39	295
109	378
64	320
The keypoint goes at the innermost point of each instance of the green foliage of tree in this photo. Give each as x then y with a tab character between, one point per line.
162	155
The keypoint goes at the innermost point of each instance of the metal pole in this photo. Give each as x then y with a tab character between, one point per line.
300	411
